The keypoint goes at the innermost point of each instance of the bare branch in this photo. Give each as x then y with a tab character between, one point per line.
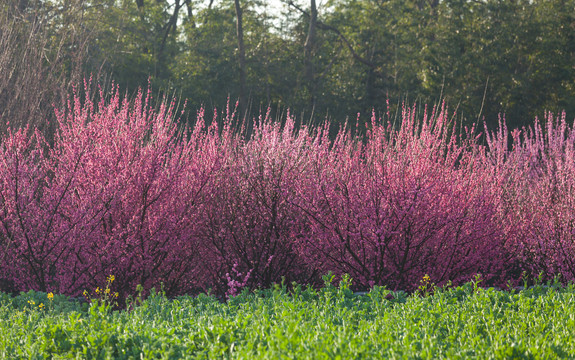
342	37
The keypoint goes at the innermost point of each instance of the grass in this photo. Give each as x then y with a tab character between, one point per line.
302	323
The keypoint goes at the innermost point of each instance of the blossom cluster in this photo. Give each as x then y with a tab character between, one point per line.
125	189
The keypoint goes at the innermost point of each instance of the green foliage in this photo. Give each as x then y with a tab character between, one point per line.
332	322
484	58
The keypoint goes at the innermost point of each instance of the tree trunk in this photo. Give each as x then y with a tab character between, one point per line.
308	53
170	26
241	58
191	18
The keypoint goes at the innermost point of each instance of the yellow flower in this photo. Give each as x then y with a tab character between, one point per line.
50	296
31	302
107	291
41	306
97	290
111	278
85	293
116	294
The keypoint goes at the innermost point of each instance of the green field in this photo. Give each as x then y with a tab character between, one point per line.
299	323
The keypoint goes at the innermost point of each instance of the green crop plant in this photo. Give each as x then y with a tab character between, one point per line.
301	322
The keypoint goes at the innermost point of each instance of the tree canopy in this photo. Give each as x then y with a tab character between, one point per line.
332	59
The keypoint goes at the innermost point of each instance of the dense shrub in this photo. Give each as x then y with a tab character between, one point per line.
405	204
119	193
124	190
536	188
252	221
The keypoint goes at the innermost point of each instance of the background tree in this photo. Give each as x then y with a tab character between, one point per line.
309	47
43	51
342	57
241	56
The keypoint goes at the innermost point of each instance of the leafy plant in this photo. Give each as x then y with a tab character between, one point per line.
486	323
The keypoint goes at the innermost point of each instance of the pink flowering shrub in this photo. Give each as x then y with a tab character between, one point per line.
251	223
118	193
141	185
124	190
30	249
405	204
537	189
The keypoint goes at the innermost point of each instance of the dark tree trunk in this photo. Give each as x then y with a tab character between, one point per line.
190	9
308	53
241	58
171	25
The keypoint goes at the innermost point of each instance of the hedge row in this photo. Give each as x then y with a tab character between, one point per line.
124	190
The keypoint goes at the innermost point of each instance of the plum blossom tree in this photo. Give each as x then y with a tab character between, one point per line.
124	190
